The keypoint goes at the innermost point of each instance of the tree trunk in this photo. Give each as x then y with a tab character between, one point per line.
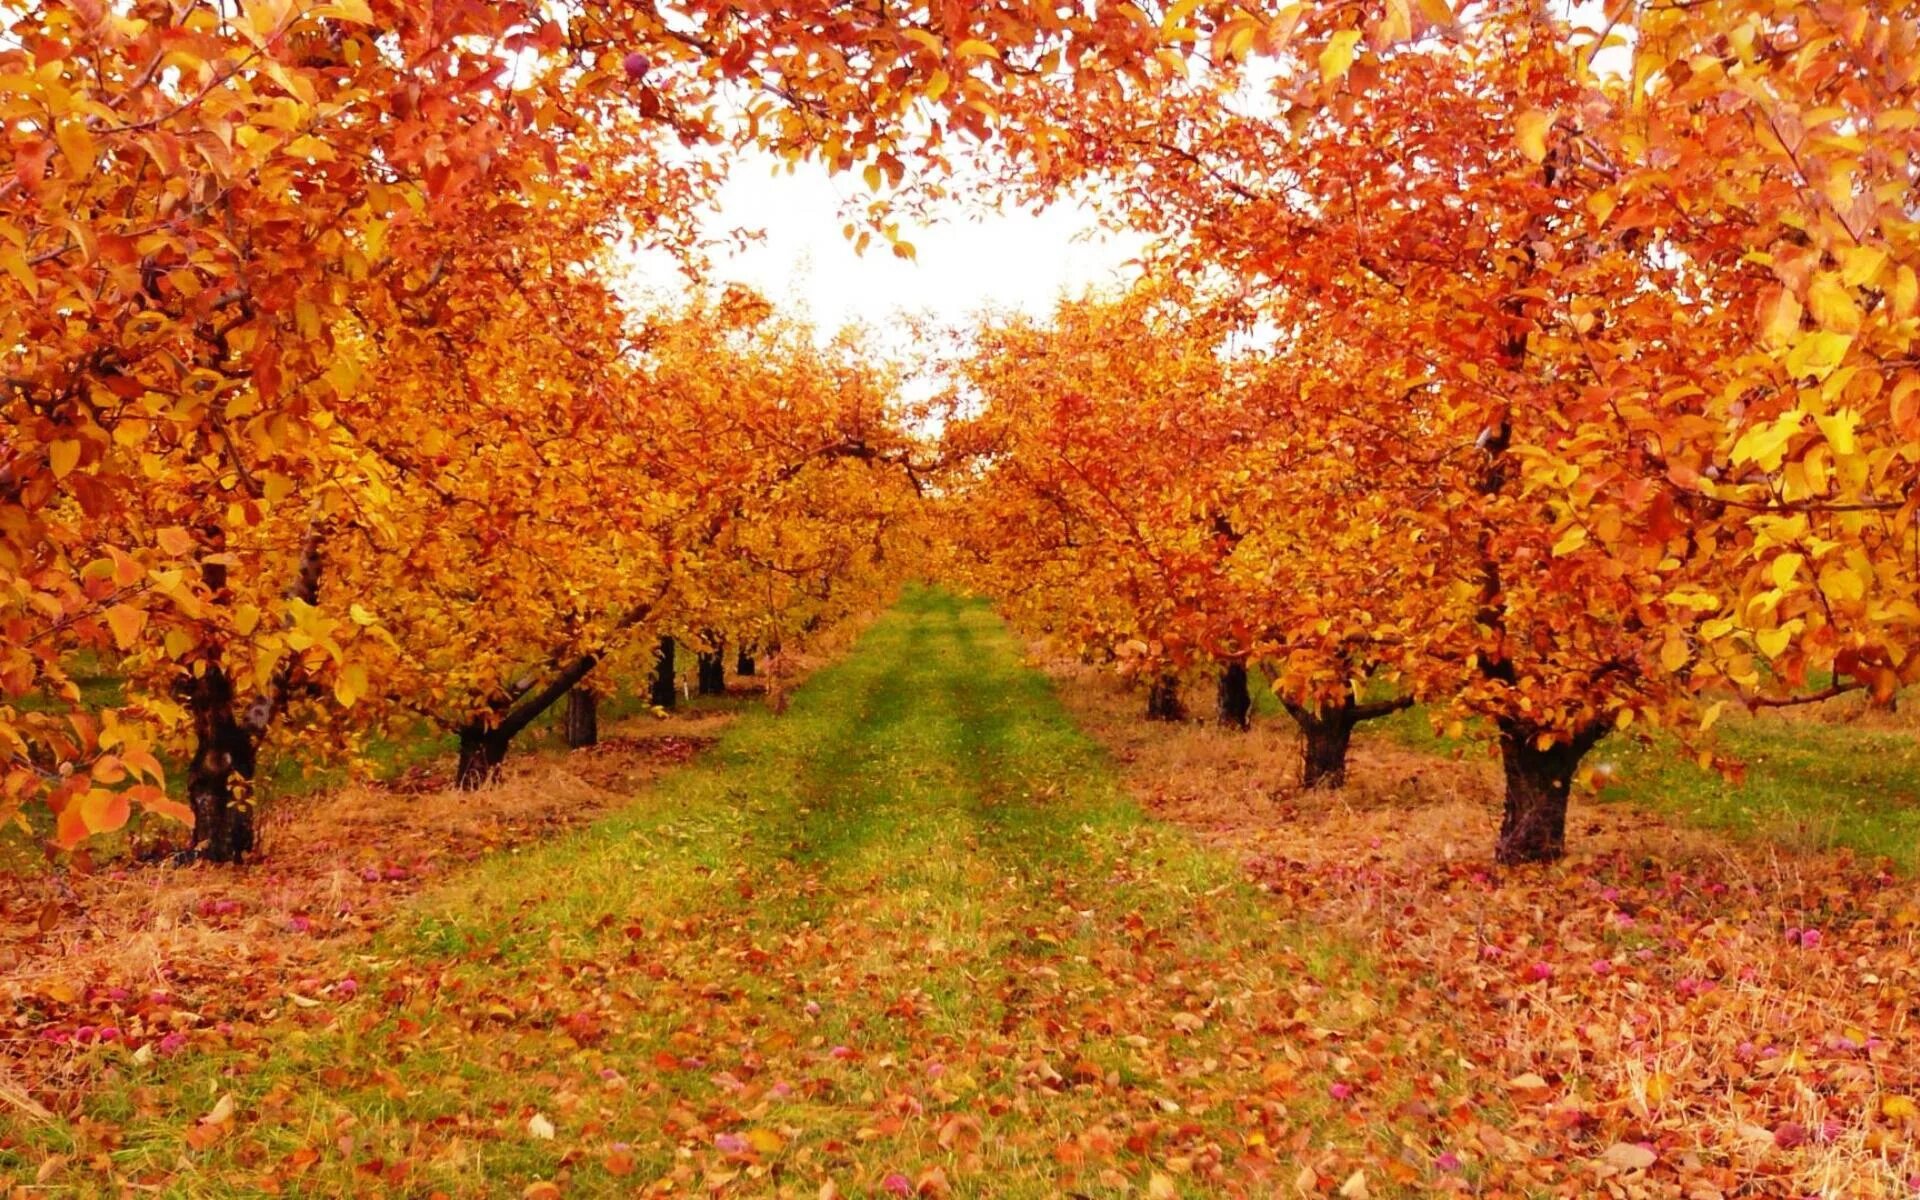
1163	700
664	693
712	673
583	718
1326	734
1236	701
481	753
220	777
744	666
1533	825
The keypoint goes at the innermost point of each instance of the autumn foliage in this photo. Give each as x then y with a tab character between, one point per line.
320	403
1554	373
1551	369
1557	377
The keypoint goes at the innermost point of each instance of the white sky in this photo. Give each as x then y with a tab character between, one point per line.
966	262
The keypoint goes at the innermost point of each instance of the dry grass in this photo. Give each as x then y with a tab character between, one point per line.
233	945
174	952
1750	1013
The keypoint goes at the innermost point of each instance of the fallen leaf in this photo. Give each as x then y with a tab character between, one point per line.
1629	1156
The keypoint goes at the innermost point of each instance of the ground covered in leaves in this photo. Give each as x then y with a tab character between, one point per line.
1669	1012
916	937
908	937
148	959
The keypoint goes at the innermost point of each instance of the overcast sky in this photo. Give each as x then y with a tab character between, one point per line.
966	262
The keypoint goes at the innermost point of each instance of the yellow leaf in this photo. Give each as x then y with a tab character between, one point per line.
1860	264
1773	642
308	146
1176	15
1842	583
77	144
1338	56
1899	1108
1530	133
975	48
1785	569
63	456
221	1112
356	11
1674	654
1832	304
1162	1187
1838	429
937	85
15	264
351	685
1767	444
1904	296
126	621
1818	353
766	1141
1574	538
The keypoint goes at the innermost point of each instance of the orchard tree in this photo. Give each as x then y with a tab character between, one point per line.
202	193
1425	244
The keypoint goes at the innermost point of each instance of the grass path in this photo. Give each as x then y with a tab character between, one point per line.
908	937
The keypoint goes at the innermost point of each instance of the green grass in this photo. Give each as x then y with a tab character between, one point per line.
912	924
1807	784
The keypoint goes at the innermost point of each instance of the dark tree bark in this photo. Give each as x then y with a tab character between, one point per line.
481	753
1163	700
1533	824
1326	734
664	693
220	777
1236	700
491	735
227	740
582	727
711	671
744	666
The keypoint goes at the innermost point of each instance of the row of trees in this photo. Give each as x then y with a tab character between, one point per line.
1560	378
322	414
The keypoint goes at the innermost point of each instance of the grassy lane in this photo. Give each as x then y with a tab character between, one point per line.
908	936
